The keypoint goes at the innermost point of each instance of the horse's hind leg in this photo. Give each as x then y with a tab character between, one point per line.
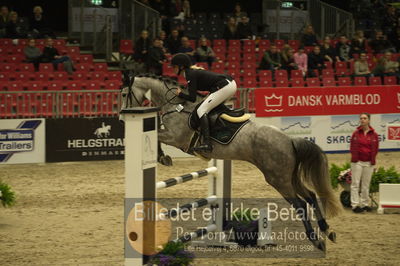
301	209
323	225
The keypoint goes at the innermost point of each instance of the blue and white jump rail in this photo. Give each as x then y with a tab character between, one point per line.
141	146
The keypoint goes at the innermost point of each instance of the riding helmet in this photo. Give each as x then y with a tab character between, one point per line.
181	60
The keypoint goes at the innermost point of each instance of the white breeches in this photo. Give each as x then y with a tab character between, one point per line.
216	98
361	172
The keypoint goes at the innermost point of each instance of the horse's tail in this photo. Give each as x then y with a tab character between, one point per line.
311	172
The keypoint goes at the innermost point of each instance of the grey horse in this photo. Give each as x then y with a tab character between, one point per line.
295	167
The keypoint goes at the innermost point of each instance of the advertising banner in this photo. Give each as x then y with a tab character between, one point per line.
333	133
22	141
327	101
84	139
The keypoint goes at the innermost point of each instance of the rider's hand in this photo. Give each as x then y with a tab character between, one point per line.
178	90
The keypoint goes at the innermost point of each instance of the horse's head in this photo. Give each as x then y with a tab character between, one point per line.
130	95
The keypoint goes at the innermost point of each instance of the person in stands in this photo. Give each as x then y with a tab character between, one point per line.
271	59
33	54
156	57
364	146
51	55
204	53
221	87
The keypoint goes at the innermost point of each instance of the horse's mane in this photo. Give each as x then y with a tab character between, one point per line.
165	79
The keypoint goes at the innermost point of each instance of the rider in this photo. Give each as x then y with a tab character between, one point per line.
220	86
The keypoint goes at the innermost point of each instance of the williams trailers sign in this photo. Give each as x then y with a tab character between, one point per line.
84	139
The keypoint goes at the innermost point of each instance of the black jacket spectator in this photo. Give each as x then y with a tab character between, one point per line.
359	43
173	42
230	31
309	38
16	28
4	17
155	58
315	61
142	46
244	29
380	44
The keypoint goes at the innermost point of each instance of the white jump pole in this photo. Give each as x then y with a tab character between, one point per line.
140	168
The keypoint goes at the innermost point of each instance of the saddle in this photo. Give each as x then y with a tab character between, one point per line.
225	123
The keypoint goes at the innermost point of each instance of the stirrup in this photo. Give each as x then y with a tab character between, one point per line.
204	147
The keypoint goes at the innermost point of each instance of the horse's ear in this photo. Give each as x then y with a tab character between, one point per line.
126	78
132	81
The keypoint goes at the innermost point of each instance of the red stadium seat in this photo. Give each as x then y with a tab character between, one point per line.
83	67
266	82
56	85
46	67
390	80
217	66
281	82
23	76
265	73
249	73
264	44
341	65
328	64
297	82
344	81
249	49
219	42
250	83
296	74
112	85
60	76
26	67
16	86
93	85
86	58
100	67
126	46
115	75
281	74
42	76
313	82
8	67
249	57
79	76
279	43
328	82
295	44
374	81
35	86
234	43
74	85
73	50
328	73
360	81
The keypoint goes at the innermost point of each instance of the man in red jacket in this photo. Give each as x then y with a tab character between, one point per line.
364	148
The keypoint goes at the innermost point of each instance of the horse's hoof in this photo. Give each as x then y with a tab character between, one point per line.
332	237
165	160
321	246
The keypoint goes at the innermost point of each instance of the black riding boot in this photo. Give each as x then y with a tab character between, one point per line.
205	145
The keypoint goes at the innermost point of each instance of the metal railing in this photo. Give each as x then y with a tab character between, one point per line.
58	104
330	20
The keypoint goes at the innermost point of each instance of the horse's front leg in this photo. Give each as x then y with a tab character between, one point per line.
162	158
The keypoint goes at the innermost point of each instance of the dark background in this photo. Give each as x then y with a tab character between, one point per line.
56	11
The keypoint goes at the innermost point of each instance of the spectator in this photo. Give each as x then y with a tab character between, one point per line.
361	68
16	27
287	56
187	13
343	49
359	43
301	60
271	59
177	9
156	57
162	36
33	54
386	66
230	31
244	29
4	18
142	47
328	51
315	61
185	48
39	25
50	54
380	44
309	38
205	53
238	13
173	42
364	145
